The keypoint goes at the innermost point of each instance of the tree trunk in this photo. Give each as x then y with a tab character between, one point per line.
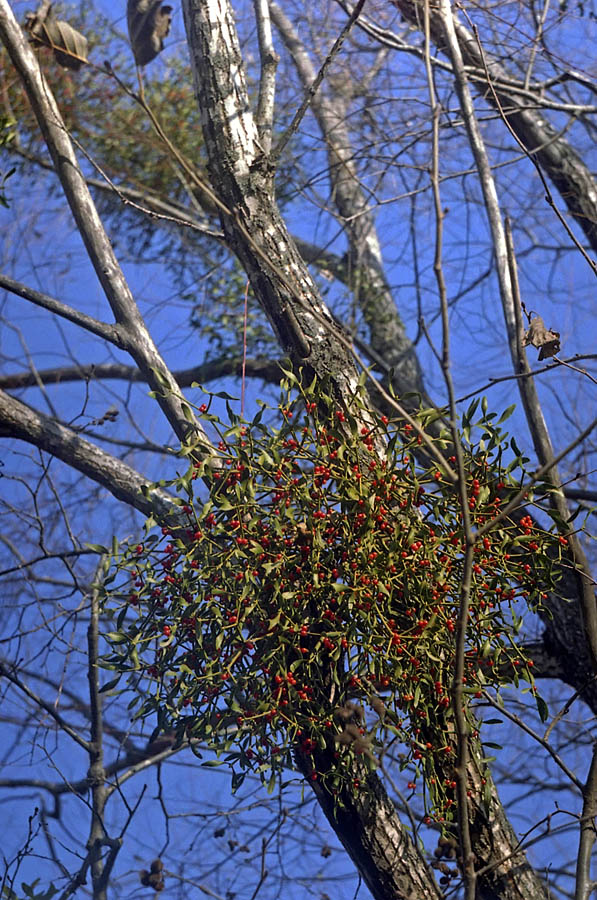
560	161
368	828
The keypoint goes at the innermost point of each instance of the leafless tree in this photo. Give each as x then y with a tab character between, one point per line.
429	143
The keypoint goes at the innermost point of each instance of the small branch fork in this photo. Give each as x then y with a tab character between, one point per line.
312	90
531	156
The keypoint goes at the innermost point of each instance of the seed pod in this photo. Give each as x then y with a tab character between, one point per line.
154	878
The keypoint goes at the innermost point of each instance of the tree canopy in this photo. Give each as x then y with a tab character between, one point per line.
298	427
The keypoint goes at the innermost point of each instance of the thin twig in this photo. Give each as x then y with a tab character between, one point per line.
583	884
565	709
462	728
563	362
549	367
535	476
530	155
347	343
310	93
263	871
536	737
43	704
111	333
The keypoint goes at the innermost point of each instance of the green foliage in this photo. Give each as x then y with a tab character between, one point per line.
119	141
112	127
7	133
29	892
324	566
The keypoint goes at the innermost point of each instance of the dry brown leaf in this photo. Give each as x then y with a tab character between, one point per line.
68	44
148	23
537	335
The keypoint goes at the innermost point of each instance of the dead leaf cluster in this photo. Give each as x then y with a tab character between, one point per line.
537	335
68	44
149	23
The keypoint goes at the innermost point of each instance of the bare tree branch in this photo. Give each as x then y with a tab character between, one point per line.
568	172
111	333
585	886
247	190
138	340
388	337
21	421
266	369
12	676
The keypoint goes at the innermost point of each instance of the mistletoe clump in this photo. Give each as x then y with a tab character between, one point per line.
308	607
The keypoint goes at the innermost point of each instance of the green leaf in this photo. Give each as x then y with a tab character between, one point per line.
110	685
98	548
160	377
542	708
468	415
187	412
237	780
506	413
115	637
224	396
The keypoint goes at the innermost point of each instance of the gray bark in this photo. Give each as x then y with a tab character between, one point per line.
241	178
387	334
132	330
369	829
20	421
559	160
367	825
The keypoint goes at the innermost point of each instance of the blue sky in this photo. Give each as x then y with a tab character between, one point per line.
39	246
